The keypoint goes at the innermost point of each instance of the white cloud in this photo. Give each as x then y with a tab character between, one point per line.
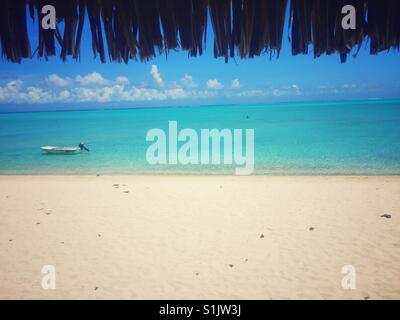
94	88
277	92
235	84
118	93
104	94
10	91
14	92
13	85
342	89
290	90
34	95
188	82
295	89
144	94
37	95
91	78
251	93
214	84
58	81
156	75
203	94
65	94
122	80
176	93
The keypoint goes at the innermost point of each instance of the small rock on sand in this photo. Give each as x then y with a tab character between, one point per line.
311	229
126	191
387	216
231	266
262	236
96	288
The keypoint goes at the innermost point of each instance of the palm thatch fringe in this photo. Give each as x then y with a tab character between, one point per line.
319	22
132	29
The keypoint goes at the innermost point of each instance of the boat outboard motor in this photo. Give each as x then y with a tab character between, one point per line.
83	147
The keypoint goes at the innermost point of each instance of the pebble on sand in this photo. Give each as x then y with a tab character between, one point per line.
311	229
231	265
262	236
387	216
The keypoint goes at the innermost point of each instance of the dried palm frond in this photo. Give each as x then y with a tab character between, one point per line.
248	28
13	31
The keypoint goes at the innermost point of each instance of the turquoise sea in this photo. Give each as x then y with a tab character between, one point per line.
318	138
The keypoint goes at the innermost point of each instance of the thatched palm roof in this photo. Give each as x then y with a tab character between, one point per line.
131	29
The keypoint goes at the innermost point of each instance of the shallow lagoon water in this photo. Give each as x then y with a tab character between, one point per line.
317	138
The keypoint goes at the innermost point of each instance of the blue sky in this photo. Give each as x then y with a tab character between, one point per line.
179	80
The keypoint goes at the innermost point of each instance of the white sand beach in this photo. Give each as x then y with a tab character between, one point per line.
182	237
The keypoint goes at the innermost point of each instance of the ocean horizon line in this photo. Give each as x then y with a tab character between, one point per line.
280	103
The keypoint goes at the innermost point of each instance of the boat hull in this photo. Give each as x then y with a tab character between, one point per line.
61	150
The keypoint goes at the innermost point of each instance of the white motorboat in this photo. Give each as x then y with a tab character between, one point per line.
61	150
